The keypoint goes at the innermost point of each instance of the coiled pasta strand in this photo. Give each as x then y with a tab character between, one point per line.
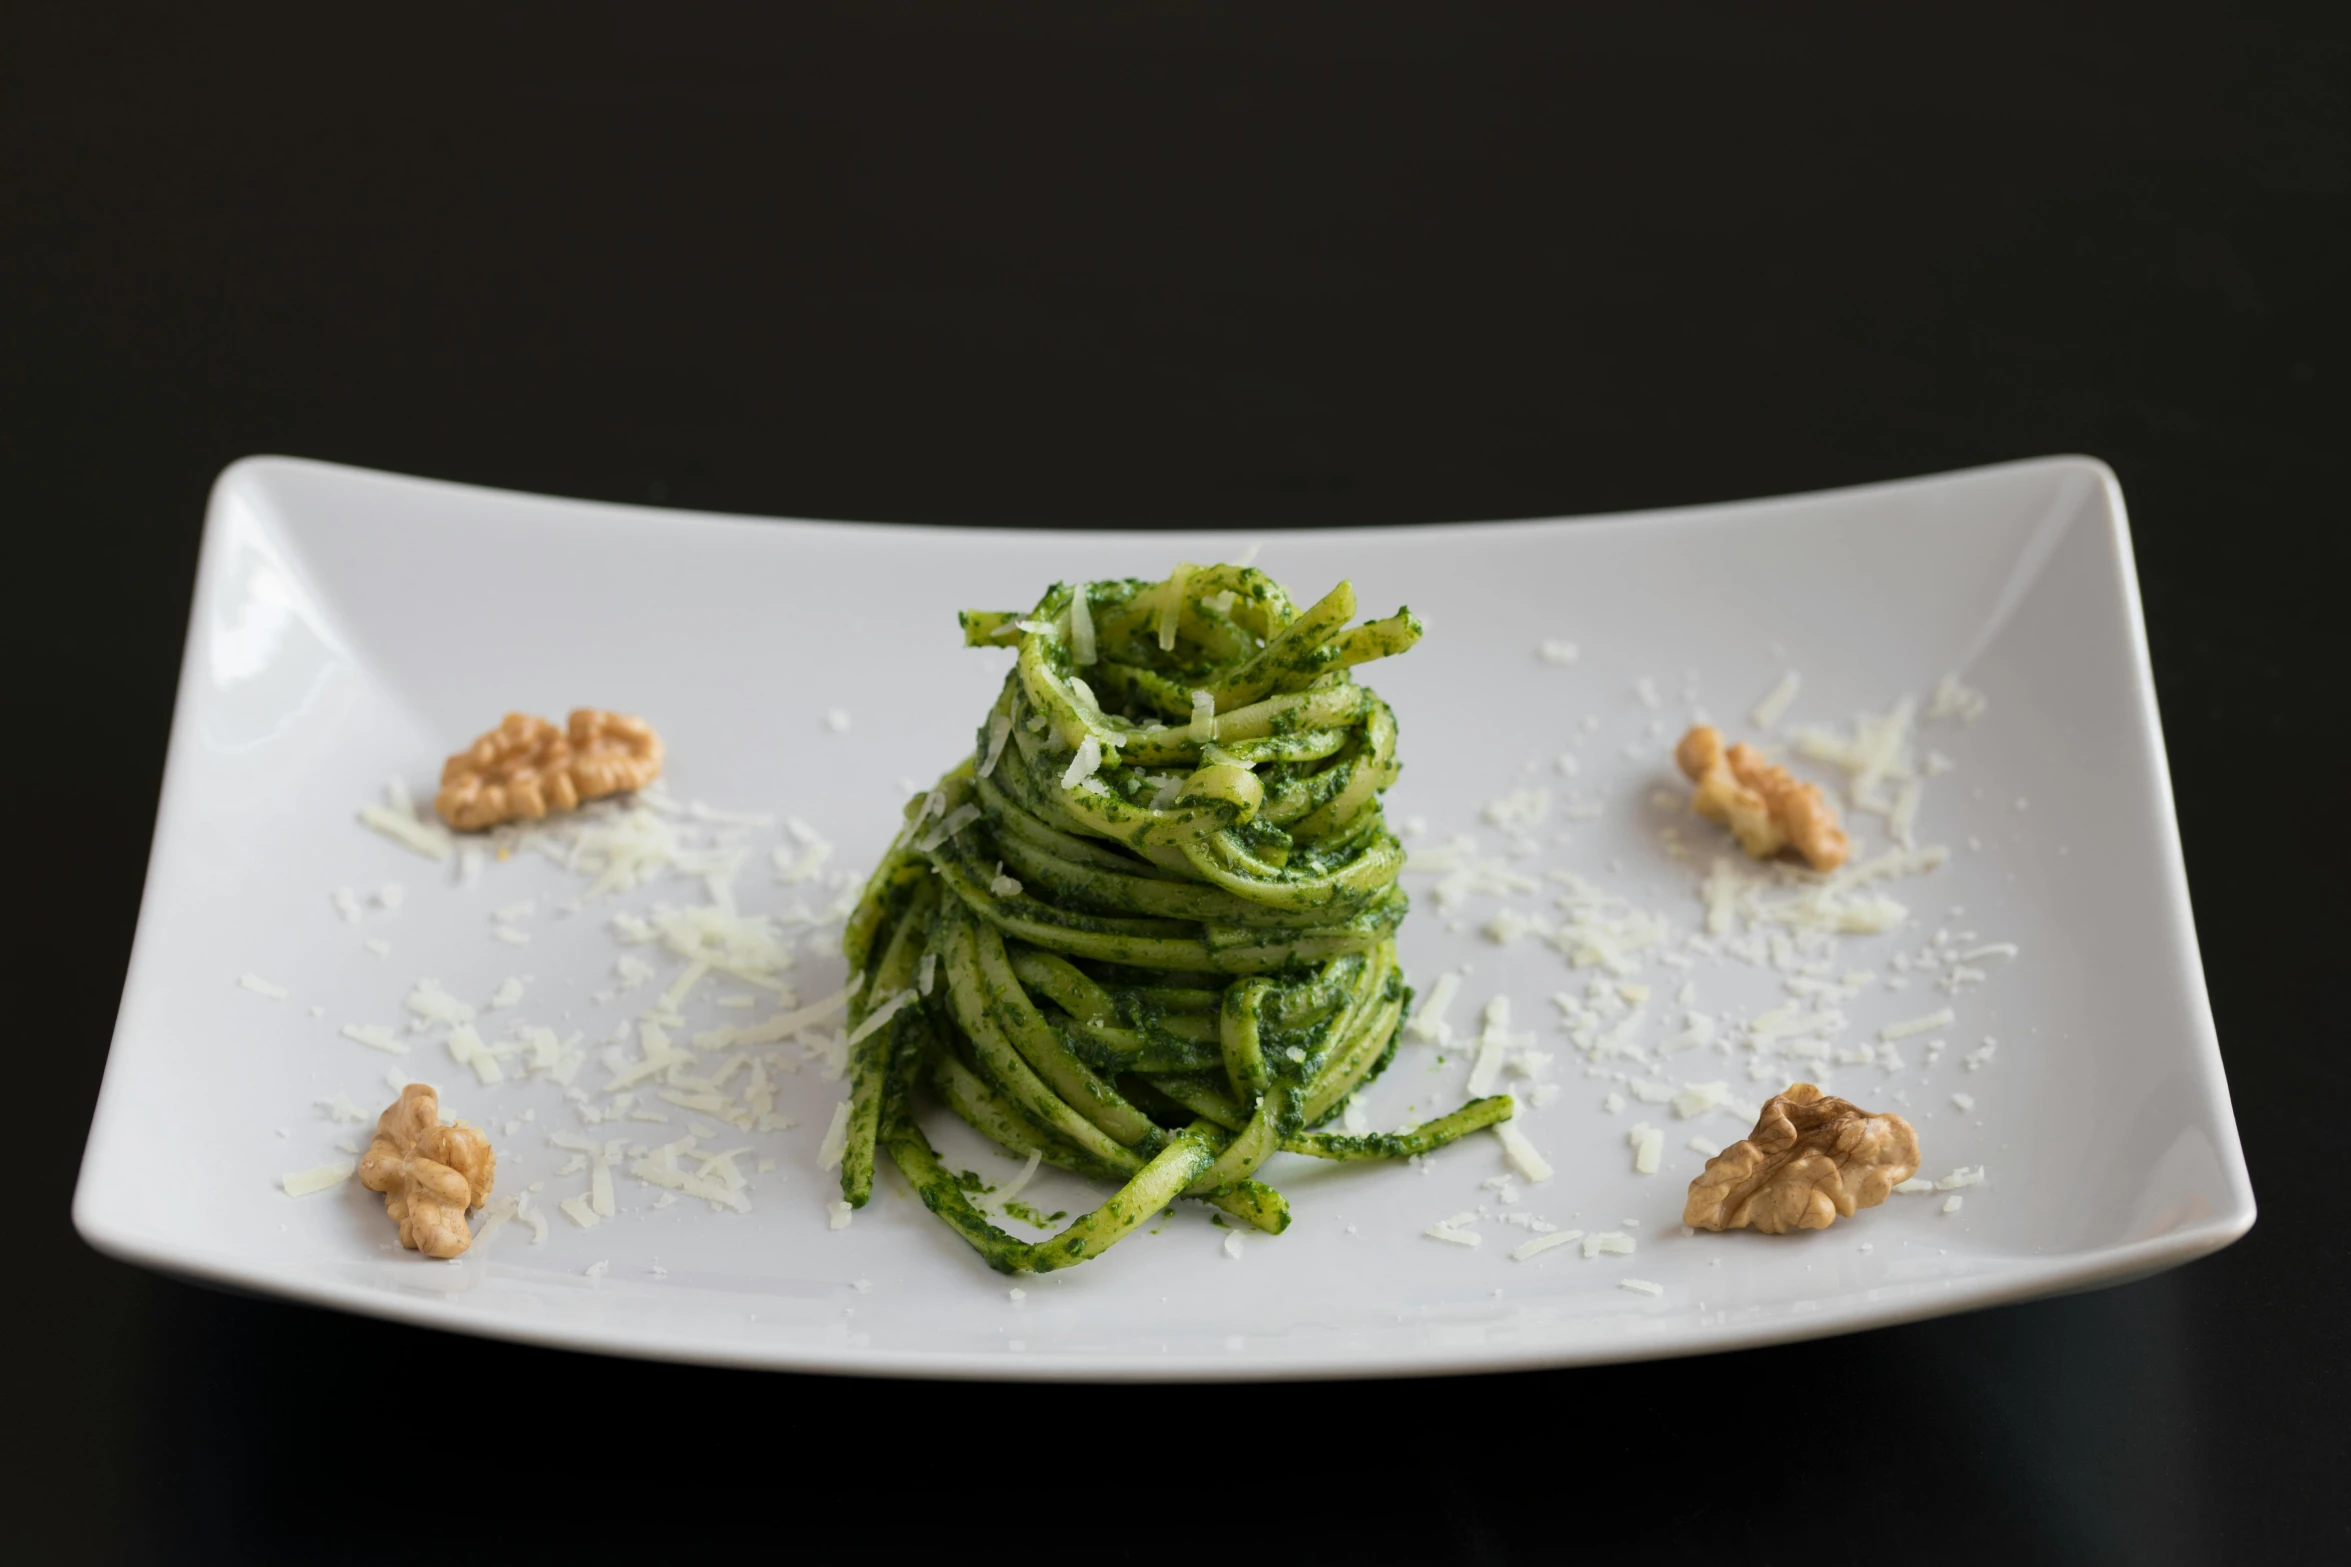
1146	930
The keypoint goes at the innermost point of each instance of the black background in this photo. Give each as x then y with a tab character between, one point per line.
1201	264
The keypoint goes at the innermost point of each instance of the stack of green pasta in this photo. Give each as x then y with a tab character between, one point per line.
1145	931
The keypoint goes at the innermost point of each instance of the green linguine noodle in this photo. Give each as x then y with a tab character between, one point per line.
1146	930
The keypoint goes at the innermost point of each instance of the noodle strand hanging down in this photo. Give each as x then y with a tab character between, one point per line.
1145	932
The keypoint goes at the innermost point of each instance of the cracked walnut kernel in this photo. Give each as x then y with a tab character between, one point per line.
1810	1160
526	767
1768	809
430	1174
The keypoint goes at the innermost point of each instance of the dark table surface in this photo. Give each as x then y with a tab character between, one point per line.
1143	264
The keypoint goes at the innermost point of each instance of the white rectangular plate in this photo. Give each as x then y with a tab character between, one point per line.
351	627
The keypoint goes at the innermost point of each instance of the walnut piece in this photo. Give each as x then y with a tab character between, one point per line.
1760	802
430	1174
526	767
1810	1160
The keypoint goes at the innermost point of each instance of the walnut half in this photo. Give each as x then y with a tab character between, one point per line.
1810	1160
430	1174
526	767
1760	802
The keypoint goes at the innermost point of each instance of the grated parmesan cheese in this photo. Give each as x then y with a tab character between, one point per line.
1428	1025
376	1037
1777	701
836	1139
879	1018
838	1216
1528	1251
1953	1204
430	1004
1698	1098
1554	652
432	842
466	1049
303	1183
1083	766
1522	1154
1232	1245
1520	810
577	1210
1640	1286
1954	700
1648	1145
262	987
1917	1025
1494	1044
999	731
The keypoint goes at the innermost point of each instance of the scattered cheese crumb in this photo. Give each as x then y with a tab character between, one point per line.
1953	1204
597	1270
1917	1025
1084	764
1777	701
1428	1024
839	1215
1451	1231
1555	652
1522	1153
1528	1251
302	1183
1232	1245
1640	1286
434	843
376	1037
1648	1144
262	987
836	1139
